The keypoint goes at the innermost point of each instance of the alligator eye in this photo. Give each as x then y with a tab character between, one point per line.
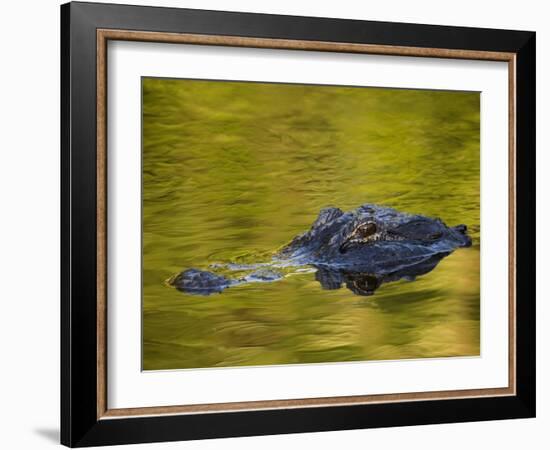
359	235
365	230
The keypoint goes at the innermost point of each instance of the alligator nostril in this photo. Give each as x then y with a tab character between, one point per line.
461	228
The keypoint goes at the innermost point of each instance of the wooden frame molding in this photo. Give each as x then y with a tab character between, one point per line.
103	36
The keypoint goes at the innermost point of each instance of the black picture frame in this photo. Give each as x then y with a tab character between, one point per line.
80	425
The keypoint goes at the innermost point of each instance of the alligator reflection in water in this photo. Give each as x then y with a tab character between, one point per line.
365	283
362	249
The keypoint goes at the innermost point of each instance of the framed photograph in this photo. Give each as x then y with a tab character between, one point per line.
277	224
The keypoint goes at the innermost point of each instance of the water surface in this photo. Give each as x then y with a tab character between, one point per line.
232	171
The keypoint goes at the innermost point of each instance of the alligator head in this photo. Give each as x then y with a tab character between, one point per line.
362	249
374	238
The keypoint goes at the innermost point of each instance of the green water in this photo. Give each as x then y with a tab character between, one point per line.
233	171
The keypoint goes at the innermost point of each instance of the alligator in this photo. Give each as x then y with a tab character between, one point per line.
361	249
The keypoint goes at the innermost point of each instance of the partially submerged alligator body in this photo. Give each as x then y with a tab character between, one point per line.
362	249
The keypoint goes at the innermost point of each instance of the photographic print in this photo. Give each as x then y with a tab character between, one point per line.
299	224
